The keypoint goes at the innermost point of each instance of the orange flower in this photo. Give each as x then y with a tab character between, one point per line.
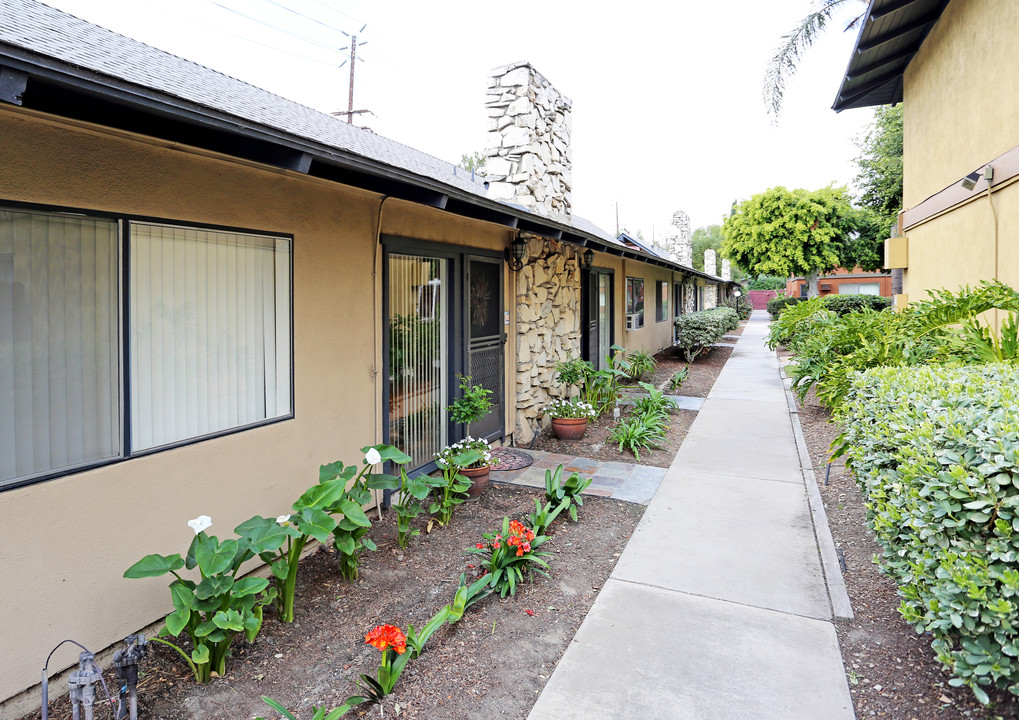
385	636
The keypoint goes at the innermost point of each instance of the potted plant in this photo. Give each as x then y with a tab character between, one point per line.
470	458
472	405
570	417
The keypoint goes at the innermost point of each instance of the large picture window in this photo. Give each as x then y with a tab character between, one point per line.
208	339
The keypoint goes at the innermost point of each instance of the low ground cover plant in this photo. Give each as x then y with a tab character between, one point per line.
510	555
677	379
936	453
641	364
697	330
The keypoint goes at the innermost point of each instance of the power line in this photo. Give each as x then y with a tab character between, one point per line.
300	14
266	45
274	27
338	12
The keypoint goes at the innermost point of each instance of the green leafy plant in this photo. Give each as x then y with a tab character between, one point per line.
641	364
544	515
573	372
654	404
508	556
557	489
678	378
598	388
409	502
935	451
349	535
449	492
317	713
740	304
767	282
214	610
845	304
635	434
473	404
697	330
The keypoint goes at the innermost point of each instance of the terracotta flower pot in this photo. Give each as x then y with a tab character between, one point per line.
479	480
569	428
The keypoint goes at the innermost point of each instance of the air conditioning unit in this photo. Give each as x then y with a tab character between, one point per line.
634	321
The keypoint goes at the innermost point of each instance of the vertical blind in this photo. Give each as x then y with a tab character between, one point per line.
417	355
59	340
209	332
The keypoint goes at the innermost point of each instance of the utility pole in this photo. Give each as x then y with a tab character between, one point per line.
353	59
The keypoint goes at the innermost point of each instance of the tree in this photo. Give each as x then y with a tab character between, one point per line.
793	232
786	60
474	163
880	164
704	238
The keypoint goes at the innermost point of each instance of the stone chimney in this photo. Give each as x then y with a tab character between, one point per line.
726	269
710	266
679	239
529	162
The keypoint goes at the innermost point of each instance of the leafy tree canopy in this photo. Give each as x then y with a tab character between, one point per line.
880	164
474	162
704	238
793	232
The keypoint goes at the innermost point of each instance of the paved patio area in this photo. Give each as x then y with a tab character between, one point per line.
631	482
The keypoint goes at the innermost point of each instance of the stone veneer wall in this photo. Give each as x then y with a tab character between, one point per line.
548	328
710	297
710	262
679	239
726	269
529	161
689	295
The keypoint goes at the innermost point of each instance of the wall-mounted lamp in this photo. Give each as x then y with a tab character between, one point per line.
970	181
588	259
516	253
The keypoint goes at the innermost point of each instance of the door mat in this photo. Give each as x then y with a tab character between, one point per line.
511	459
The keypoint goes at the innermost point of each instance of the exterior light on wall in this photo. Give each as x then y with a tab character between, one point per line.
588	259
517	253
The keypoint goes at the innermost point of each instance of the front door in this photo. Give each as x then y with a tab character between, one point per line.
597	324
486	335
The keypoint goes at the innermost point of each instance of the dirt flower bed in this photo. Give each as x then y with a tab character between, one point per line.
892	671
493	663
702	374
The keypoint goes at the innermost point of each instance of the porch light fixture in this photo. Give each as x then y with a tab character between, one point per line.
588	259
516	254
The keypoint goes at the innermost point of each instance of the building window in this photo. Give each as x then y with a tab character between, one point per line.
859	288
208	343
661	301
634	303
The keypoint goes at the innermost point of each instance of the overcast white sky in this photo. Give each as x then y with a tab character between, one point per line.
667	109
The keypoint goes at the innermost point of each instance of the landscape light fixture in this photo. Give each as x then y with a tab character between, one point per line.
588	259
516	254
970	181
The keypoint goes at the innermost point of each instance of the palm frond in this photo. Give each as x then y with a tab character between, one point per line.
786	59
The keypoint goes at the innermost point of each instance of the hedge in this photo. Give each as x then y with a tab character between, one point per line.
936	453
779	303
696	330
845	304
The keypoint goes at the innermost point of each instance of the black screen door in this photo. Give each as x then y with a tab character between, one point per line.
485	338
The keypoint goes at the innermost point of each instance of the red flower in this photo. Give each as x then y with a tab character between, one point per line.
480	546
530	612
385	636
520	551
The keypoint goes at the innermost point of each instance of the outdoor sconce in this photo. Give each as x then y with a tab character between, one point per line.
516	254
588	259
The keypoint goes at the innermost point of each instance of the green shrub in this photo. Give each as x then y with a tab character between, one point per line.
740	304
635	434
845	304
778	304
785	326
640	363
767	282
936	454
696	330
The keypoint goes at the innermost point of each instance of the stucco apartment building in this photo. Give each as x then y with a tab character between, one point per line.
207	291
952	65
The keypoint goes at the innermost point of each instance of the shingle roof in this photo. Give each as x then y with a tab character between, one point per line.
30	30
42	29
891	34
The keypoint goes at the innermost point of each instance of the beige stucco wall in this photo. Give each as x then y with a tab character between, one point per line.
654	336
65	542
961	98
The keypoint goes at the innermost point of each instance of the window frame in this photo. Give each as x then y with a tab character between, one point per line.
632	282
124	221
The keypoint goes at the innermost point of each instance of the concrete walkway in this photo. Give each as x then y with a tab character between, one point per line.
718	608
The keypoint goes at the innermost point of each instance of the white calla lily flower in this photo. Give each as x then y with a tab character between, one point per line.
283	520
200	523
372	457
